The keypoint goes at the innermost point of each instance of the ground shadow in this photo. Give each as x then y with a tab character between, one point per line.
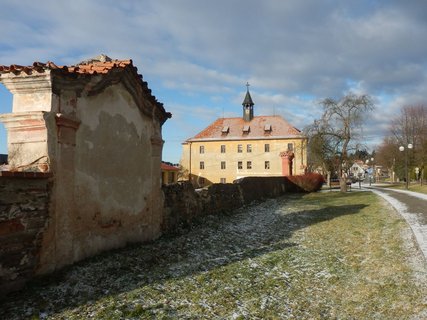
211	242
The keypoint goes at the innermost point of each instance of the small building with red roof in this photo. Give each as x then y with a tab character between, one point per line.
232	148
169	173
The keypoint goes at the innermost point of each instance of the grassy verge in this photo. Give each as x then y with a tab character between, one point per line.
412	187
318	256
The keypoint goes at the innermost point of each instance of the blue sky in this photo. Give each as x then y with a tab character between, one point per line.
197	55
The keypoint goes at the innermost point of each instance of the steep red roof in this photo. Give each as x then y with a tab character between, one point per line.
165	166
260	127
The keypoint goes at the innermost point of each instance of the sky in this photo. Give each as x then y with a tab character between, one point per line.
198	55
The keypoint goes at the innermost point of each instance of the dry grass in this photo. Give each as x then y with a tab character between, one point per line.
318	256
412	187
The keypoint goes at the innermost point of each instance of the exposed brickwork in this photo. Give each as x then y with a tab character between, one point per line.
23	218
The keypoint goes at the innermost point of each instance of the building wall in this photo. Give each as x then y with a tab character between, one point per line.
169	177
104	153
107	168
212	158
27	125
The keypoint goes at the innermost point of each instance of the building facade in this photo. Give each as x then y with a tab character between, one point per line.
232	148
169	173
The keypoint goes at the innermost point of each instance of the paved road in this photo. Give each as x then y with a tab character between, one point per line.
412	206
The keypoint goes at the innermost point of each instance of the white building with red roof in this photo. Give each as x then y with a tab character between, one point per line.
232	148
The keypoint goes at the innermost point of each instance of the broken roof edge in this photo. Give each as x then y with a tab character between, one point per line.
89	68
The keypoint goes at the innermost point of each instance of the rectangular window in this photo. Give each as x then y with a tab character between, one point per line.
267	165
171	177
222	180
239	148
202	165
240	165
249	148
202	149
249	164
223	148
267	147
202	181
290	147
222	164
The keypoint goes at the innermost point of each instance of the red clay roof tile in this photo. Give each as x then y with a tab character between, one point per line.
85	68
280	128
165	166
82	68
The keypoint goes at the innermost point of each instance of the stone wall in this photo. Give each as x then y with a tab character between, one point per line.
183	203
24	201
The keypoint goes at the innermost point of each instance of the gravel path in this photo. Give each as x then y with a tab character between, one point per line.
413	208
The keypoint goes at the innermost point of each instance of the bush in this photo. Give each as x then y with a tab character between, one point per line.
309	182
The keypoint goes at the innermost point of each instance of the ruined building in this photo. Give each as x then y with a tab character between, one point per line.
95	130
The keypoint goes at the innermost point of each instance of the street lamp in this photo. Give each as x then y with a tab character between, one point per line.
401	149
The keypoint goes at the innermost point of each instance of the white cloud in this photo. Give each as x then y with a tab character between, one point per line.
204	51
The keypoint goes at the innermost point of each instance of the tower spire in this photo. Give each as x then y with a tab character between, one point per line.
248	105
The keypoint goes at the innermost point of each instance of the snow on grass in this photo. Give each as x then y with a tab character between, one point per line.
323	255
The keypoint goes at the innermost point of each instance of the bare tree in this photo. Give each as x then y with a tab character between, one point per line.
336	133
389	156
410	126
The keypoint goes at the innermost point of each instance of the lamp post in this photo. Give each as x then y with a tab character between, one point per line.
401	149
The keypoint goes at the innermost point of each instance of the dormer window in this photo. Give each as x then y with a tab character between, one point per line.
267	128
246	129
225	129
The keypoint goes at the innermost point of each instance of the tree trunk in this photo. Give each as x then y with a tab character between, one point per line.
343	179
343	182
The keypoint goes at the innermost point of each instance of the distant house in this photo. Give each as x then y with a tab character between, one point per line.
169	173
232	148
357	170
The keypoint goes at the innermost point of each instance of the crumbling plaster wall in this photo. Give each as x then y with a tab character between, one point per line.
103	148
117	180
27	124
106	162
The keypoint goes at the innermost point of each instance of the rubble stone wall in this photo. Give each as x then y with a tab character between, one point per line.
24	216
183	203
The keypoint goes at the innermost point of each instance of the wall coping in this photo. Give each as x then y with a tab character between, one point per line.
25	174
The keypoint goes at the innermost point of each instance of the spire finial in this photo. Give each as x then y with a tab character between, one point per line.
247	86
